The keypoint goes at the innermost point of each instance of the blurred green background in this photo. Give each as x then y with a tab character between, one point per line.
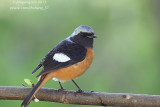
126	50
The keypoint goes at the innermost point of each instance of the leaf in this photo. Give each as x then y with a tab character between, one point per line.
29	82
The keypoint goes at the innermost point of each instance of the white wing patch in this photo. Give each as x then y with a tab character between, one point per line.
60	57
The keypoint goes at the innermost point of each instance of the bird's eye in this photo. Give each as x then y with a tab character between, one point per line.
86	35
89	36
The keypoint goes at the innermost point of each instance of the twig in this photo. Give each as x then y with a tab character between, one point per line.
85	98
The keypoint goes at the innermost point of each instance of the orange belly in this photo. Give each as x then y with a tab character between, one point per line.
75	70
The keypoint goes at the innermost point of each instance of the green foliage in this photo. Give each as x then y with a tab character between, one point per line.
28	82
126	50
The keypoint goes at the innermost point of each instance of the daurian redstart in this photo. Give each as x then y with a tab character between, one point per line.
66	61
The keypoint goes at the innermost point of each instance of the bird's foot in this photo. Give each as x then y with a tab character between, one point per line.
61	89
80	91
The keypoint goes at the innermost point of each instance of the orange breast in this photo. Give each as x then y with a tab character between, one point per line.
75	70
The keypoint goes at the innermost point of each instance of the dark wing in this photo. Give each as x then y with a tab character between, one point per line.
74	51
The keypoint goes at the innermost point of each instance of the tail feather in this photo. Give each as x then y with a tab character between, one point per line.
36	68
32	93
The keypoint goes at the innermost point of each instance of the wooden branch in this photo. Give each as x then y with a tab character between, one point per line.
85	98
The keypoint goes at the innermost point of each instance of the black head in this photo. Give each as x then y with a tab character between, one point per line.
83	35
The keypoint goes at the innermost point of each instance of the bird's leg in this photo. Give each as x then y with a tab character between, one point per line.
79	89
61	86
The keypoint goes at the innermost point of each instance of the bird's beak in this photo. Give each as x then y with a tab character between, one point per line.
94	36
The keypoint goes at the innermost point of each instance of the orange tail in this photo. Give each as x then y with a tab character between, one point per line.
40	83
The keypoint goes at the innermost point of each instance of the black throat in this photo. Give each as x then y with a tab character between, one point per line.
84	41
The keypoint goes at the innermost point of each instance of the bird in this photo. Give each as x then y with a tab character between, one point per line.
68	60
